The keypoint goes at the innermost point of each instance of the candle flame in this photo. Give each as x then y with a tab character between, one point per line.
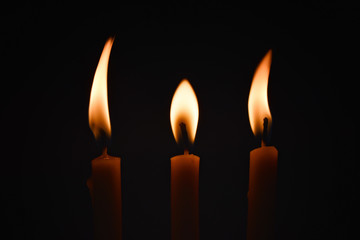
258	106
184	109
99	119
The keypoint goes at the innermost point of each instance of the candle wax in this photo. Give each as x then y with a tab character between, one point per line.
105	190
185	197
262	193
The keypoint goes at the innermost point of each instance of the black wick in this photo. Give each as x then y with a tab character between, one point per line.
184	137
264	140
103	141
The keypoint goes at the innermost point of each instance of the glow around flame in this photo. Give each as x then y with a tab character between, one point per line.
99	119
184	109
258	105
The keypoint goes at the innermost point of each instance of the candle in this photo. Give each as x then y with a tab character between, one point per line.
184	115
105	181
263	160
105	187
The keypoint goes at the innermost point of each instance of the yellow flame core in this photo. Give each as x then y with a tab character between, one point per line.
184	109
99	119
258	105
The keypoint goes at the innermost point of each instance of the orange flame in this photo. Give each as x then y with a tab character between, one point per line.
184	109
99	119
258	105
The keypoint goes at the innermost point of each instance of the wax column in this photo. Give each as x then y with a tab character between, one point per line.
263	160
184	115
105	181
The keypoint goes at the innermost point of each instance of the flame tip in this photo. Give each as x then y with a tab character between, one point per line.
112	39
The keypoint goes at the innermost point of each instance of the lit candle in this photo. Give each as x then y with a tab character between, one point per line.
105	181
184	115
263	160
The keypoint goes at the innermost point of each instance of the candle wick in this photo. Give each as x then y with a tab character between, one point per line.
184	138
104	151
103	141
265	133
186	152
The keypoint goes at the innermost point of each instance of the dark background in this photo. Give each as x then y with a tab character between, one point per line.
49	56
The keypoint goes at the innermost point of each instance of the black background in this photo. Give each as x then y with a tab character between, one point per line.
49	56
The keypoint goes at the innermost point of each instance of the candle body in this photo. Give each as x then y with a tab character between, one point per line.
185	197
105	190
262	193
